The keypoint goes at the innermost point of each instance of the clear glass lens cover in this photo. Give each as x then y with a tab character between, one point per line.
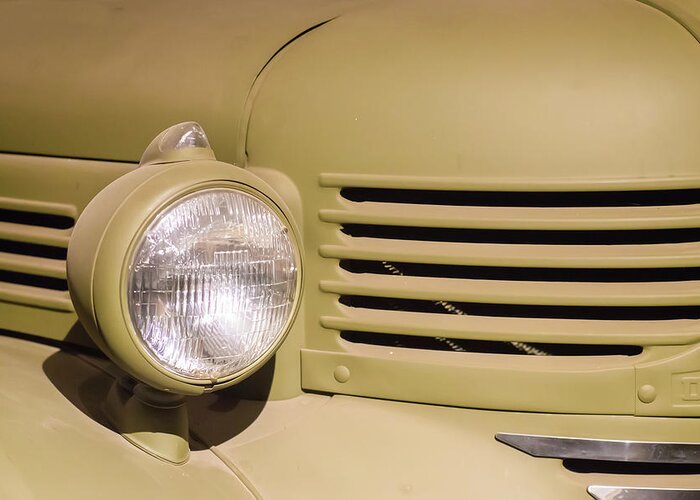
182	136
212	283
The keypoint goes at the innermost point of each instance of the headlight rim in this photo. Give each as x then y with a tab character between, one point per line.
130	255
149	191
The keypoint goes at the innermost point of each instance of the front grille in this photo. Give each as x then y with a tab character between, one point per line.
33	243
537	294
609	259
40	200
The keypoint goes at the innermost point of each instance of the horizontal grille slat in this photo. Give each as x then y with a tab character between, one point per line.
34	234
428	343
485	254
42	213
525	199
506	184
40	266
506	329
34	296
510	273
524	237
518	292
516	218
442	308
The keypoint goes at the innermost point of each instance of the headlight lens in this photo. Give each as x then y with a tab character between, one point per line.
212	284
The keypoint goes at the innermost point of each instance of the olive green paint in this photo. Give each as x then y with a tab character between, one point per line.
570	95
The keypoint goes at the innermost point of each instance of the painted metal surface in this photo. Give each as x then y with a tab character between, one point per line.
104	78
419	97
573	95
363	448
56	442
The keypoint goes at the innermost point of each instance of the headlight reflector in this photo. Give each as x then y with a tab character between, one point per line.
212	283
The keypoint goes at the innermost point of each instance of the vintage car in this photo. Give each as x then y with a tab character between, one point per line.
350	249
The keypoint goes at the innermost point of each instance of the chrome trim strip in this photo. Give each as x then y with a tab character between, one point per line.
634	493
603	449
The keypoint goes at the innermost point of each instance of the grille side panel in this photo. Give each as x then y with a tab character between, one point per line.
372	317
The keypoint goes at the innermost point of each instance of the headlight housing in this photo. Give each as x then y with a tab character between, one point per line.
188	274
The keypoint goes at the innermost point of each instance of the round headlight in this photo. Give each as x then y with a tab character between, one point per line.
212	283
187	274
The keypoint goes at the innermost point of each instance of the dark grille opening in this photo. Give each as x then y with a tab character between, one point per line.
526	311
33	280
484	346
36	219
525	199
524	237
632	468
525	273
33	249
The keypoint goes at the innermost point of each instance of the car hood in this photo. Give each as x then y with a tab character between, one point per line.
100	79
500	90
